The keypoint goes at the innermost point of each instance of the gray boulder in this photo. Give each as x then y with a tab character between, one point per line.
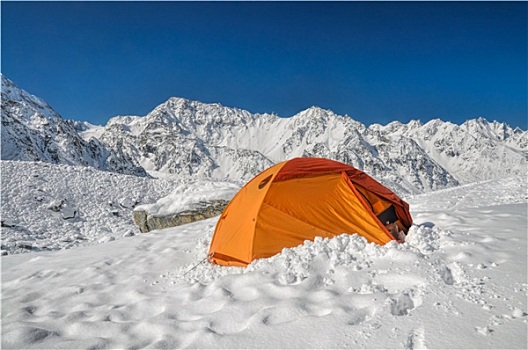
202	210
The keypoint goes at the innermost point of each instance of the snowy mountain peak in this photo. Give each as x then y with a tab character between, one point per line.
175	101
33	131
23	103
500	130
316	113
415	123
191	139
183	103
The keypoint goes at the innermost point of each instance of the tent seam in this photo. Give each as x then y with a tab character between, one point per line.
296	218
270	183
355	191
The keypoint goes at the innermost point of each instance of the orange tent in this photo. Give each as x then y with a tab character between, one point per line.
300	199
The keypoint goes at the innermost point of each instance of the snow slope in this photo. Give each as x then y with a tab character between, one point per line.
216	142
460	281
33	131
51	207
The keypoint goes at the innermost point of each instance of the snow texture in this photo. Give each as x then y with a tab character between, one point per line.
190	196
459	281
53	207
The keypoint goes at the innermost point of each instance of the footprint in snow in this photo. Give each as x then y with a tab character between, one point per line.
401	304
416	339
485	331
358	317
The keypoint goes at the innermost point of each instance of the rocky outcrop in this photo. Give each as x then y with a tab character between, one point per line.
203	210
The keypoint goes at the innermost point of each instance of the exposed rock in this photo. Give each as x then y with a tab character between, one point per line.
147	222
129	233
62	207
140	219
25	245
56	205
68	212
7	222
128	202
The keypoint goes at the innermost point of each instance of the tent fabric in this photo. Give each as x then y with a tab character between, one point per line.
300	167
298	200
234	231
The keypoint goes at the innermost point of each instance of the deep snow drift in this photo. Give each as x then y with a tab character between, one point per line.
460	281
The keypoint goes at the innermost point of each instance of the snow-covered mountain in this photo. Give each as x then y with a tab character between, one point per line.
33	131
190	139
186	138
474	151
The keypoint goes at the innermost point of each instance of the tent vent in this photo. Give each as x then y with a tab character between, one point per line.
265	181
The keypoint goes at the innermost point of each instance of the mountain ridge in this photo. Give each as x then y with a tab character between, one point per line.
195	140
33	131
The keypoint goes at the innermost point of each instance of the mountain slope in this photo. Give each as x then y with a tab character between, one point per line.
56	206
193	140
33	131
213	141
474	151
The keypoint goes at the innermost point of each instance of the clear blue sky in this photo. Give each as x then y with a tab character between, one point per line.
374	61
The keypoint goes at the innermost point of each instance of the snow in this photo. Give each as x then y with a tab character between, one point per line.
459	281
52	207
89	131
189	140
221	143
189	196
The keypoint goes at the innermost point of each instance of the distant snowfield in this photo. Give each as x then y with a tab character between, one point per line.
460	281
